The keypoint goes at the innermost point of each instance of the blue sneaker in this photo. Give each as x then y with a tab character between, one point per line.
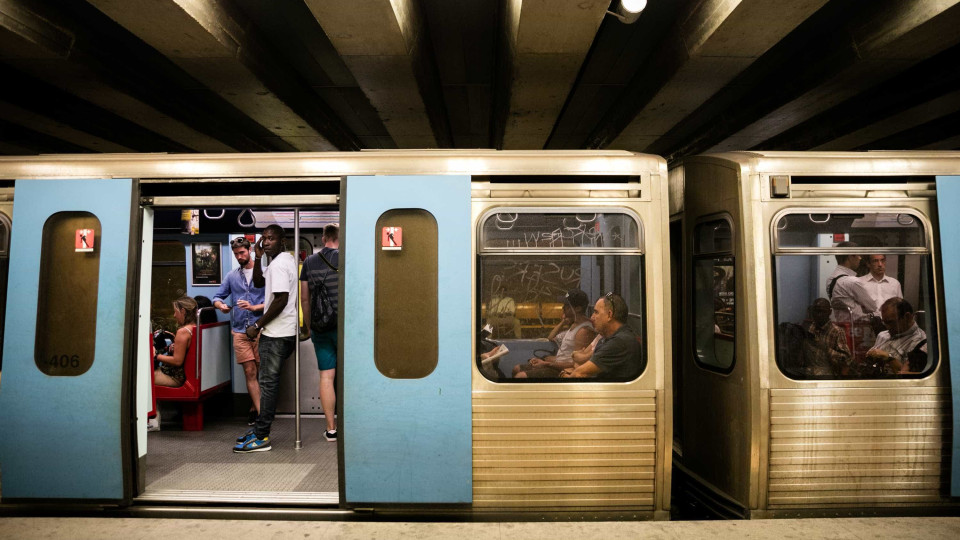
254	445
247	436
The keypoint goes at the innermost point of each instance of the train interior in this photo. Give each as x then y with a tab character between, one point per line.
530	261
190	457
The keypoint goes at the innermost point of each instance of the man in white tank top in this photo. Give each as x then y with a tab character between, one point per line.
572	333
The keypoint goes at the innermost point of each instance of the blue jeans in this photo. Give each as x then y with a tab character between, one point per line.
273	351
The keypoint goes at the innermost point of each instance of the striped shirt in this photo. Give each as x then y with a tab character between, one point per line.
316	272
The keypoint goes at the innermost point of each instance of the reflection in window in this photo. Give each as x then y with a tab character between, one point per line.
854	296
714	303
530	321
168	281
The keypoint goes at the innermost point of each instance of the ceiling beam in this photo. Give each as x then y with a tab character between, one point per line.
384	44
887	39
108	66
218	46
548	41
18	140
910	98
710	47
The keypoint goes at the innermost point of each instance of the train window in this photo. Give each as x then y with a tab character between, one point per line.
67	300
714	301
854	296
522	228
168	281
406	326
532	264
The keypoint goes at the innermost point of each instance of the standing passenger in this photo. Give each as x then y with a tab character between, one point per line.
880	286
847	294
318	297
249	299
277	329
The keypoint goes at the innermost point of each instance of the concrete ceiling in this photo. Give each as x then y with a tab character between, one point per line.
689	76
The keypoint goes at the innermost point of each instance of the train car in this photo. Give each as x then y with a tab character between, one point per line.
456	269
818	299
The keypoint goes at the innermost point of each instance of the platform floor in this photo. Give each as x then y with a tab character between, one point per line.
946	528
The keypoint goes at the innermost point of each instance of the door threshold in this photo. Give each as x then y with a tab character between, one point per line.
245	497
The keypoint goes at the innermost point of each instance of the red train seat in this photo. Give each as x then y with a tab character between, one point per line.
198	387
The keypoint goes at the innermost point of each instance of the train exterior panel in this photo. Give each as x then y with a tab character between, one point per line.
563	446
531	447
798	439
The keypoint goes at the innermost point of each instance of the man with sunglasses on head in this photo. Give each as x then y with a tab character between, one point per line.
248	300
616	355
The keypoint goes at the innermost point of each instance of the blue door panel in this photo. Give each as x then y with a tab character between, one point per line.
62	435
948	200
407	440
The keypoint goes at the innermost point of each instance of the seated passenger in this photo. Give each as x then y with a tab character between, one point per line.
902	347
824	345
170	370
502	313
207	316
573	333
617	352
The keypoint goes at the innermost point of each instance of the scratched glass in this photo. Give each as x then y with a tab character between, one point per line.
560	230
528	263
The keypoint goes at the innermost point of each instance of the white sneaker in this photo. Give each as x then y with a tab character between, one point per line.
153	424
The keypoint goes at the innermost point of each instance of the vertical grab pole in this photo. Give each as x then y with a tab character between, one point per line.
296	349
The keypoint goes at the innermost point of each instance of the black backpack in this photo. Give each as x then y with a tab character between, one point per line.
322	315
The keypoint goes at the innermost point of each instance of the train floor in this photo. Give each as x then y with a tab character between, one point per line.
929	528
200	465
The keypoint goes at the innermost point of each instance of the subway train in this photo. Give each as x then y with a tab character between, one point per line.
771	417
722	262
488	245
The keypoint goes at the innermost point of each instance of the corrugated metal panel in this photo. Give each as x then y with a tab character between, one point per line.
564	449
858	446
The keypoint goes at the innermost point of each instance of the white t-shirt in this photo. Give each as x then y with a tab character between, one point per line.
247	274
281	276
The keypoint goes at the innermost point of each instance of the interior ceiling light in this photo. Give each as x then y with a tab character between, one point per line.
628	11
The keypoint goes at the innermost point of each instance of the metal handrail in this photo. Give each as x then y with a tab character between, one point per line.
199	333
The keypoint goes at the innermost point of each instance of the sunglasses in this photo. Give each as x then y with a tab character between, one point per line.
240	242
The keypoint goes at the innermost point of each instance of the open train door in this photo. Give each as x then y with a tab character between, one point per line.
948	200
65	395
405	347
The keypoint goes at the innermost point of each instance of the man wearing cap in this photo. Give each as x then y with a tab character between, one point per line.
572	333
617	354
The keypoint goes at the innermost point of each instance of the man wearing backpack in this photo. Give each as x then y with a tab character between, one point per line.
849	297
319	283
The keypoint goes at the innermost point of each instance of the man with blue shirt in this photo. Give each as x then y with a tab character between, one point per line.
248	299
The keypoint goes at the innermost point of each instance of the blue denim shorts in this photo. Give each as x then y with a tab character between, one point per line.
325	345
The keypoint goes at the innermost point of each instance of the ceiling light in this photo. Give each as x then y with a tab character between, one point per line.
628	11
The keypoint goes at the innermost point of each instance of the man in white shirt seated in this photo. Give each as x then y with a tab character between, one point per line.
880	286
848	295
902	347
